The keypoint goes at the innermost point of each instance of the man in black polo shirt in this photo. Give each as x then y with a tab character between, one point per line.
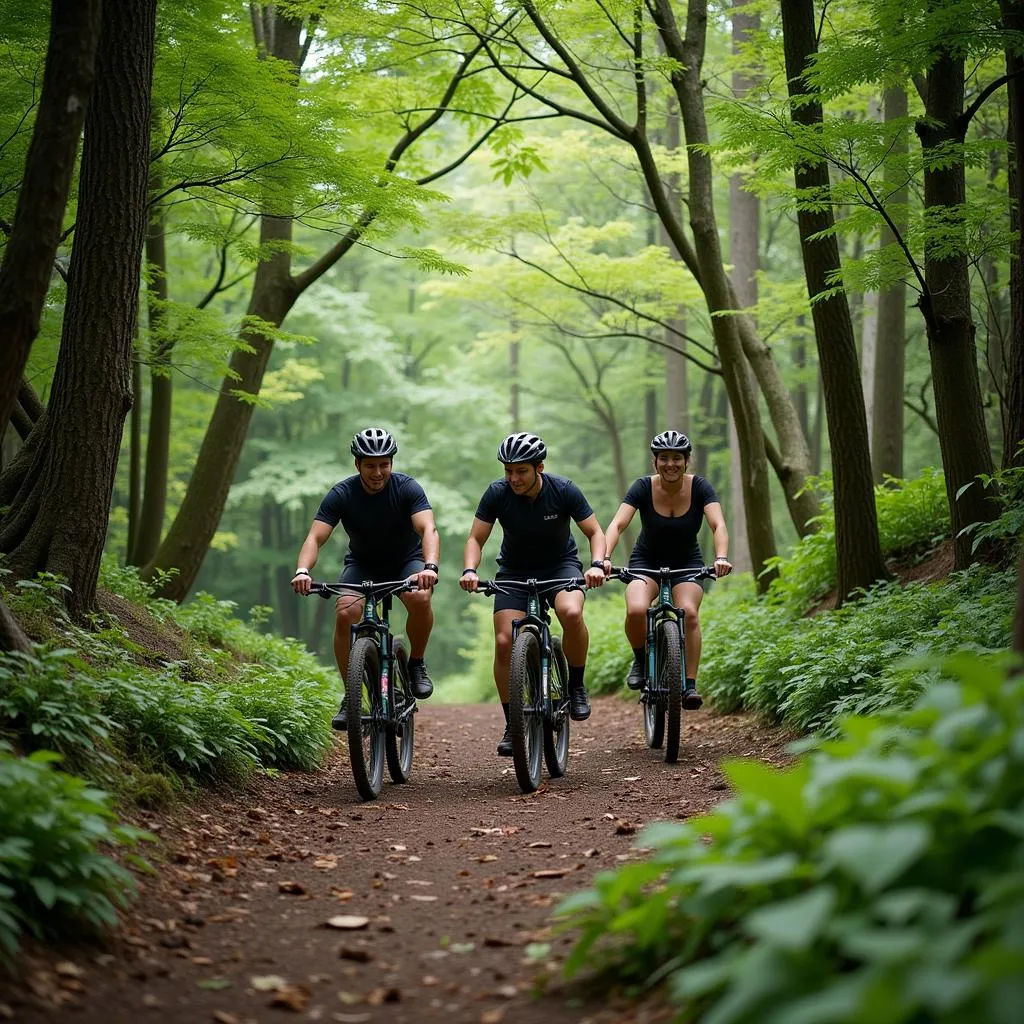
534	509
391	535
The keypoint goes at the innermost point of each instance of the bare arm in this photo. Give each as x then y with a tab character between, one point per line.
592	531
423	523
308	555
615	529
474	551
720	535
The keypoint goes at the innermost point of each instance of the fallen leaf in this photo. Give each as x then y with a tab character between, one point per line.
326	863
625	828
66	969
350	922
291	997
291	888
341	894
539	845
495	1016
590	853
380	996
551	873
214	984
422	899
487	858
359	956
267	982
223	1017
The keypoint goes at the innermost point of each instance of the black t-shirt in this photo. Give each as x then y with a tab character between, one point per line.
536	531
668	541
379	526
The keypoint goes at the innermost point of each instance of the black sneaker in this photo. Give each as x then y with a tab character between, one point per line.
505	744
340	720
579	706
692	700
420	682
635	679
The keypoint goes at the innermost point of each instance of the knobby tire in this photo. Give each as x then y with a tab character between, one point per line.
362	698
524	711
400	738
556	724
670	659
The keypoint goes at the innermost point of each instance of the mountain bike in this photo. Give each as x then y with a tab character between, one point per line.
538	695
665	664
379	704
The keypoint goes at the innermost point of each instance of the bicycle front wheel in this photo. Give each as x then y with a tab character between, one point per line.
525	710
670	679
401	734
556	718
365	718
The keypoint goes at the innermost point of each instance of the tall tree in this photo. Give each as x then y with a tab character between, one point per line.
887	406
38	219
946	302
59	516
859	560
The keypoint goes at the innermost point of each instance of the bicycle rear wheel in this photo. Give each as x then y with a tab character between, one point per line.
556	720
670	659
653	702
525	713
400	737
365	718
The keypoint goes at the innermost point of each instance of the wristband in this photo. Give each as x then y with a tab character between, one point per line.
722	558
432	566
301	572
464	571
598	563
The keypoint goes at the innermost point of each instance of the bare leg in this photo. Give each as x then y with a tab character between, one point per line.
575	638
688	597
420	620
503	649
639	595
348	610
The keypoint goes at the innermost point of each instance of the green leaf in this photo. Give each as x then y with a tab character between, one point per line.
875	855
795	923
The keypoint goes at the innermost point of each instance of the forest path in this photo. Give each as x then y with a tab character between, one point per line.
455	871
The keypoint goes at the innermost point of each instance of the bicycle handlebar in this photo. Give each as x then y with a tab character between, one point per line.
328	590
488	587
627	575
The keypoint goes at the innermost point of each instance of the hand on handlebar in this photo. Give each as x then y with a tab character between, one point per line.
425	579
722	567
594	577
469	582
302	582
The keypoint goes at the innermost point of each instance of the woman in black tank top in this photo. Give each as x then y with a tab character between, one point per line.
673	505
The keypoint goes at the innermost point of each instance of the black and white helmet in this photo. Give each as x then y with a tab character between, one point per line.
522	448
671	441
373	443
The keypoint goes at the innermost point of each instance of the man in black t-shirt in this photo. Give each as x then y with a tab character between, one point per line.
535	509
391	535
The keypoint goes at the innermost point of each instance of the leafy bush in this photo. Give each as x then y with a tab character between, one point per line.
878	880
609	656
54	873
816	669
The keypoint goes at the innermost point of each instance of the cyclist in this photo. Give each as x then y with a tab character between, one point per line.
673	505
534	509
392	536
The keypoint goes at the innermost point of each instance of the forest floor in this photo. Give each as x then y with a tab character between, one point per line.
448	878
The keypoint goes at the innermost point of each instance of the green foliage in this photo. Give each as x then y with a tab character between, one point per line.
1006	487
55	832
878	879
609	656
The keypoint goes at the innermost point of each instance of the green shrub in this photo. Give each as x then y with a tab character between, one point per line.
880	879
54	874
609	654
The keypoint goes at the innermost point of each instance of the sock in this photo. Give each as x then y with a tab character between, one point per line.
691	684
639	654
504	707
576	677
415	662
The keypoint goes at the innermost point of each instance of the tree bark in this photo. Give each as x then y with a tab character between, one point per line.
745	256
59	518
12	638
49	167
686	80
946	304
887	406
858	551
161	390
1013	428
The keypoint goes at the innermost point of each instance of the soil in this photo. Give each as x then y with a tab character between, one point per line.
449	879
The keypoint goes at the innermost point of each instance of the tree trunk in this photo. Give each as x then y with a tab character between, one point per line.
134	460
686	80
946	304
1013	424
161	389
887	407
745	256
49	167
858	551
869	359
11	636
60	515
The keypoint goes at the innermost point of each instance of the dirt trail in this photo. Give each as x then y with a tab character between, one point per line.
457	872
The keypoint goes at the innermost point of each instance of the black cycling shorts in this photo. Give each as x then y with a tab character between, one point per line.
571	569
356	572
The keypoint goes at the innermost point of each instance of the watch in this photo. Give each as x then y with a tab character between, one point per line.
301	572
597	563
468	570
432	566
